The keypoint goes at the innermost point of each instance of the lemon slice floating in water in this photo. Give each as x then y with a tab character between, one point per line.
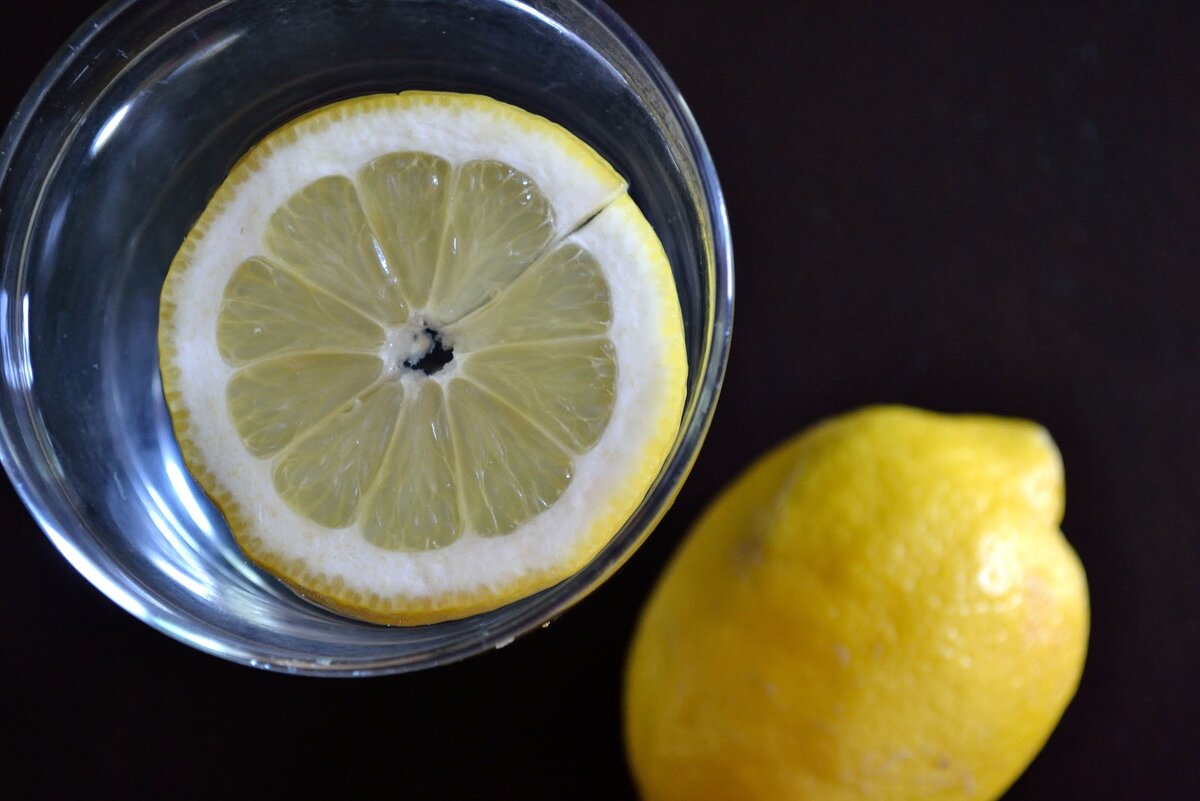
425	354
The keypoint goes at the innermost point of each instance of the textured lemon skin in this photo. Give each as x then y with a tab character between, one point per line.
883	607
608	513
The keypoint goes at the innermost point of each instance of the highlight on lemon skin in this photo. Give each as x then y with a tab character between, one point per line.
882	607
424	352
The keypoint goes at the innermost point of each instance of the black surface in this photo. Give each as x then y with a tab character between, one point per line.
971	209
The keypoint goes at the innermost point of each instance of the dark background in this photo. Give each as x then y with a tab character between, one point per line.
968	209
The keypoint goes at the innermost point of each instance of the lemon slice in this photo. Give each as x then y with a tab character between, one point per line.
425	354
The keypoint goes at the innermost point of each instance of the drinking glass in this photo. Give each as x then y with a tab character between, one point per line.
111	157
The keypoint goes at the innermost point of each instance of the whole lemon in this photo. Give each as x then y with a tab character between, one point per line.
883	607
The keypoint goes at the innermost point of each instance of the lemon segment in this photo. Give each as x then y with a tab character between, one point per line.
326	472
498	222
563	294
299	327
415	504
271	402
567	385
322	233
508	469
404	196
267	311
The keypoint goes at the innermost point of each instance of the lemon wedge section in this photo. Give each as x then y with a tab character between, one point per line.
425	354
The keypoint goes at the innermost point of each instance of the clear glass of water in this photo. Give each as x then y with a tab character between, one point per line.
113	154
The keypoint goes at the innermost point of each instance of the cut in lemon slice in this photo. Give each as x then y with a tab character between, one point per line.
424	353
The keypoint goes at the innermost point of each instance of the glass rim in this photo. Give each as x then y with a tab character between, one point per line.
24	449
